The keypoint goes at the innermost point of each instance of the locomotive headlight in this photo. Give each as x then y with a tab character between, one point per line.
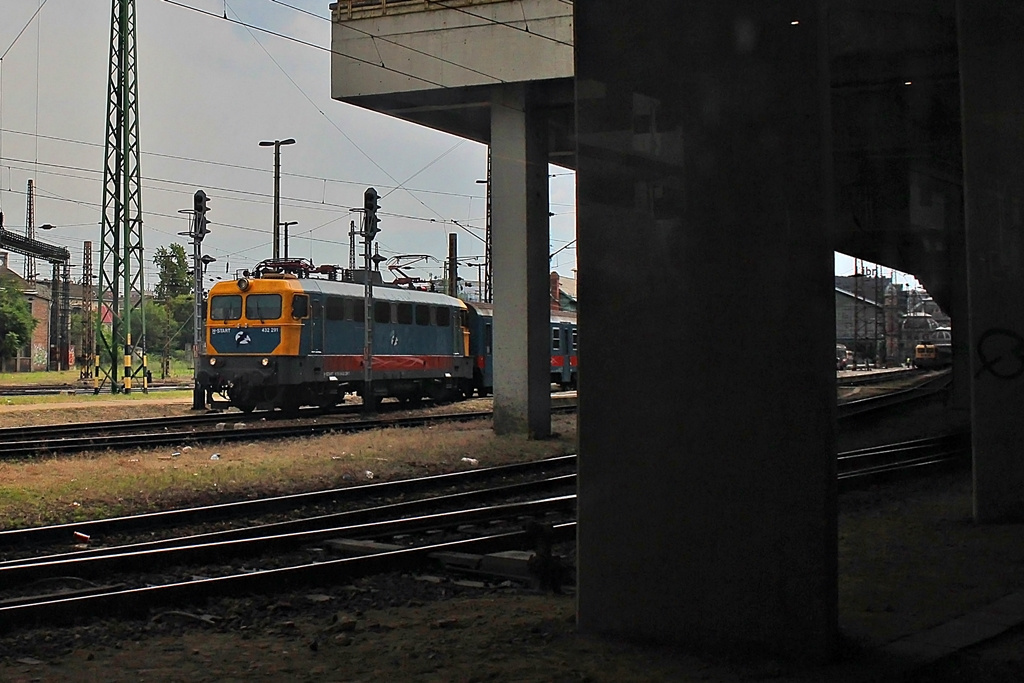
213	360
265	362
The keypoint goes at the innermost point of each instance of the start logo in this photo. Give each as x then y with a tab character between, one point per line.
242	338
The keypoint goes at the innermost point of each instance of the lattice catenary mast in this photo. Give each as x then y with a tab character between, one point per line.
121	284
30	229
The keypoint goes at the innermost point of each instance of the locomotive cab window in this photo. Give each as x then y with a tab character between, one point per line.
382	312
444	317
405	314
336	308
358	310
300	306
263	307
226	307
422	315
556	339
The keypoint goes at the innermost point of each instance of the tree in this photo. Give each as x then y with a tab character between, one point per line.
175	276
16	321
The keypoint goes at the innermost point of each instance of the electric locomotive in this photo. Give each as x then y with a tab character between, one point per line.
929	355
288	334
936	351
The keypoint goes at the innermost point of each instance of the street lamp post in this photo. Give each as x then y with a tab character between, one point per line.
276	144
285	225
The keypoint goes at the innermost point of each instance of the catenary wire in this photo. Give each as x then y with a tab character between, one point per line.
224	164
392	42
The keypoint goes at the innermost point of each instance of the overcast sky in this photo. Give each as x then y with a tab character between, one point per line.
209	91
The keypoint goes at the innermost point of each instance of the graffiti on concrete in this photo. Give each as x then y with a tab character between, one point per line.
1001	353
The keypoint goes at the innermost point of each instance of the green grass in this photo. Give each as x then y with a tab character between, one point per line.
179	370
101	484
42	377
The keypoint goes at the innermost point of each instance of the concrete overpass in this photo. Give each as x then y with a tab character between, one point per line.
718	145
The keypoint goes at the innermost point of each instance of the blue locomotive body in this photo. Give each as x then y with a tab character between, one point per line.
280	341
283	340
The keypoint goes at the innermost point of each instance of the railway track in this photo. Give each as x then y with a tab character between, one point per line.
470	521
868	466
416	521
875	377
24	442
177	431
927	389
288	505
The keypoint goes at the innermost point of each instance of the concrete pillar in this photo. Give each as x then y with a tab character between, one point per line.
960	397
707	474
992	93
519	246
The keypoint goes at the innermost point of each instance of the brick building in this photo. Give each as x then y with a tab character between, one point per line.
34	355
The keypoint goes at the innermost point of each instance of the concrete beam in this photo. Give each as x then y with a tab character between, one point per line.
426	46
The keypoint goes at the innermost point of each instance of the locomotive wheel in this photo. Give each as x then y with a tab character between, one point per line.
246	407
288	401
441	395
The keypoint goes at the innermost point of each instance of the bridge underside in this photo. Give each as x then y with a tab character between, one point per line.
723	151
895	99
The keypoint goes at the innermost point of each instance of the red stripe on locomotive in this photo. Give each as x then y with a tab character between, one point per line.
354	363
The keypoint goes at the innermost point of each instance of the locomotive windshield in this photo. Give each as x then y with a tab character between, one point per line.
263	307
226	307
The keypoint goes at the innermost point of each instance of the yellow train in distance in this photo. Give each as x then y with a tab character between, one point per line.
936	351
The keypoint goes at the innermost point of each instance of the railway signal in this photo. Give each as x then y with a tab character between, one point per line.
371	204
201	204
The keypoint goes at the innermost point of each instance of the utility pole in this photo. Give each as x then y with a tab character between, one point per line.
856	306
88	329
276	144
352	246
197	232
487	293
453	265
30	229
121	283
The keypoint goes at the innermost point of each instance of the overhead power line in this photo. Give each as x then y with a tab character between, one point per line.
300	41
24	28
224	164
